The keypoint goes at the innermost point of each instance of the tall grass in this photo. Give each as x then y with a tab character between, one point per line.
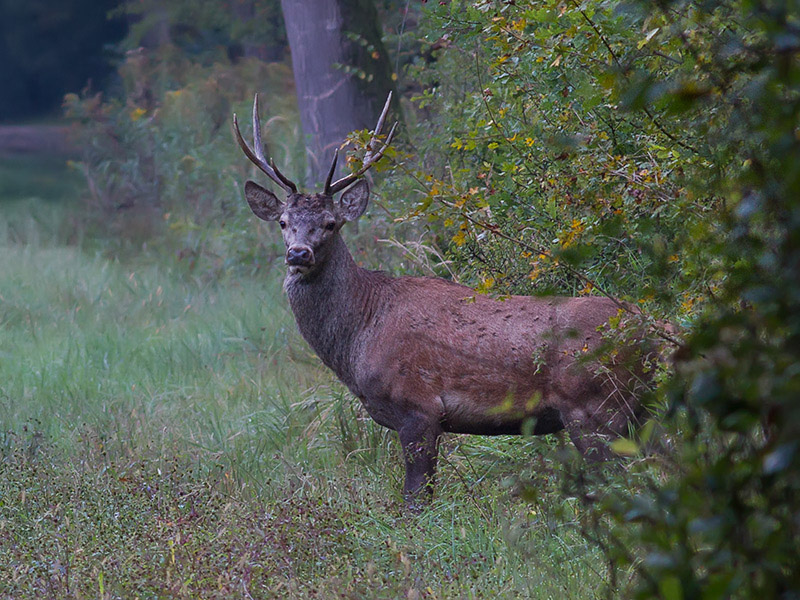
170	435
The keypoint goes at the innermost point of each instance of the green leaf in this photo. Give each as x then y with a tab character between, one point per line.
646	432
625	447
670	588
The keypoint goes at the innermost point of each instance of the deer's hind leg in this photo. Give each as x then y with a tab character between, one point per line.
593	427
591	444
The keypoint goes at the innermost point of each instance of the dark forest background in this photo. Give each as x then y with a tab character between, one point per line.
51	48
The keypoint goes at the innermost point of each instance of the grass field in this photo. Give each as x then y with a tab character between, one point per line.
166	435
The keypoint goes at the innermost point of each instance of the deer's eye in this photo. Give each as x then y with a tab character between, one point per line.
282	223
330	226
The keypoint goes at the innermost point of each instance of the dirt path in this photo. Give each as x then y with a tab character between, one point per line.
41	139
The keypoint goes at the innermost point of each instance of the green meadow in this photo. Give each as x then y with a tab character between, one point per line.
167	434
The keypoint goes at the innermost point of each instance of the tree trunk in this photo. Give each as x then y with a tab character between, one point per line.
342	80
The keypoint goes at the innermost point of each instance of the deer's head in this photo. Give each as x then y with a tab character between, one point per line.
309	221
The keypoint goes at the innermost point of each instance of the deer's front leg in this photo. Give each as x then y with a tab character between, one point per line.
419	437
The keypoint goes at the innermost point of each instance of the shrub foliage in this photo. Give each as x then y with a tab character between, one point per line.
648	151
160	158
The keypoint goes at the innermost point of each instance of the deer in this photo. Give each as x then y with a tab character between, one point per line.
426	355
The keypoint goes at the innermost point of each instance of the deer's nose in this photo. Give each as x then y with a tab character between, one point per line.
299	256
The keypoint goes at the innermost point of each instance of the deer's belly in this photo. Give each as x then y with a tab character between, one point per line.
502	414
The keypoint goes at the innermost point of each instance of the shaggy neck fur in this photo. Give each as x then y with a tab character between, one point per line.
334	305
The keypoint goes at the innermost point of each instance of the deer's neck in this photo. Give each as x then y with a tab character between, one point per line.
335	306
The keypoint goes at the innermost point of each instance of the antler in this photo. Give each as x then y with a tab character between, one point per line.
370	158
256	154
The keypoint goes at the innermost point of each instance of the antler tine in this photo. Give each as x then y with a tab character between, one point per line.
288	182
376	157
256	154
257	143
243	145
332	170
381	119
369	158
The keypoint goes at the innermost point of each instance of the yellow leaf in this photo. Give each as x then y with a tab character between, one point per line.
137	113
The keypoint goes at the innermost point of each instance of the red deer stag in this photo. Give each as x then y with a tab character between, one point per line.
426	355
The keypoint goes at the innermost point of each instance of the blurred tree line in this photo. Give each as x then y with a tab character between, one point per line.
54	47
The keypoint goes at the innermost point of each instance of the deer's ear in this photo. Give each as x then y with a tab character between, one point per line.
264	204
353	202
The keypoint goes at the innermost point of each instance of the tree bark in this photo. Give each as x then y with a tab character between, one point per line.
342	80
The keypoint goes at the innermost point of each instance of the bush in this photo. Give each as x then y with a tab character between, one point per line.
647	151
541	181
161	158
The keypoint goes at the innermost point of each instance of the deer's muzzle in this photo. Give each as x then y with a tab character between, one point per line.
299	256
